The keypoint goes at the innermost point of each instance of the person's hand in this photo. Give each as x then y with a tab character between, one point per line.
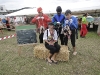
65	34
38	30
42	17
58	22
66	21
50	43
38	18
71	21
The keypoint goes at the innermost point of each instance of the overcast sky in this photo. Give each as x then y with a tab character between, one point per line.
49	4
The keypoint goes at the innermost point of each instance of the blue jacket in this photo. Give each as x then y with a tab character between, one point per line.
3	20
73	24
58	18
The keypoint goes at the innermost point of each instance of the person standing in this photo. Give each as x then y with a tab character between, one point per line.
58	19
1	26
8	24
84	31
98	30
41	20
72	24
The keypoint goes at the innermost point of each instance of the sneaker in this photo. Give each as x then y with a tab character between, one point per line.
74	53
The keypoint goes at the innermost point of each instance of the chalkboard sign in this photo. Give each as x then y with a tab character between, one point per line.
26	34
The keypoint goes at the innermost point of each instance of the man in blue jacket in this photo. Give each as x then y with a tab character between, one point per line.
58	19
72	23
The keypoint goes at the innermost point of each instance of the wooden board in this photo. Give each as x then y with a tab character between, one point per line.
26	34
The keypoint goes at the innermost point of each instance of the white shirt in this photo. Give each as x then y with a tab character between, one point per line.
55	37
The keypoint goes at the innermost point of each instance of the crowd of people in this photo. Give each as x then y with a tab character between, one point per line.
10	23
63	26
4	23
60	26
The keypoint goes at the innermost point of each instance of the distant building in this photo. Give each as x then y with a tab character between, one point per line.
3	10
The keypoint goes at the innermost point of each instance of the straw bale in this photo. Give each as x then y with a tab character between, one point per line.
41	52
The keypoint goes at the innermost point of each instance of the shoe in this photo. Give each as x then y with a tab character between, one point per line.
74	53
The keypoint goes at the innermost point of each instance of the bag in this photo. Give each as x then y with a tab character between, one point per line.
91	26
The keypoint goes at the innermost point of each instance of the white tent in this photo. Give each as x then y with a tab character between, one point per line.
2	16
23	12
31	11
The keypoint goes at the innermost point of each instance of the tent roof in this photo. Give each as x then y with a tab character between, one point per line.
31	11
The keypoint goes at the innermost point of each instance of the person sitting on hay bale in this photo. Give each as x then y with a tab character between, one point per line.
41	20
72	23
50	38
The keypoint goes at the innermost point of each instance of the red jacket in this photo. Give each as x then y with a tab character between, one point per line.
43	22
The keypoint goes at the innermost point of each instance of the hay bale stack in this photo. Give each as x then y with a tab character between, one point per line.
41	52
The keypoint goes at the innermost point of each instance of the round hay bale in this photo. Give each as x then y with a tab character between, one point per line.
41	52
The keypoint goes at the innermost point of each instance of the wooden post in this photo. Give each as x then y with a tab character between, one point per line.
19	50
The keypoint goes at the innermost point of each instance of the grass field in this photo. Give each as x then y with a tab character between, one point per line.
86	62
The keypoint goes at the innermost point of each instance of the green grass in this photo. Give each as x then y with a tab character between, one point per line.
25	27
86	62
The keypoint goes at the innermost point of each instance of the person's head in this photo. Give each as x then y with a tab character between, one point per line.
50	25
40	12
58	10
68	14
86	14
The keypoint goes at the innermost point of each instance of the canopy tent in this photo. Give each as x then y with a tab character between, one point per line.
31	11
2	16
23	12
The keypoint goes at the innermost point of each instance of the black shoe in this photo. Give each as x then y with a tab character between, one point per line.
80	35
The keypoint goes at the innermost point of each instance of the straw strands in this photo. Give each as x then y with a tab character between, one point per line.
41	52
